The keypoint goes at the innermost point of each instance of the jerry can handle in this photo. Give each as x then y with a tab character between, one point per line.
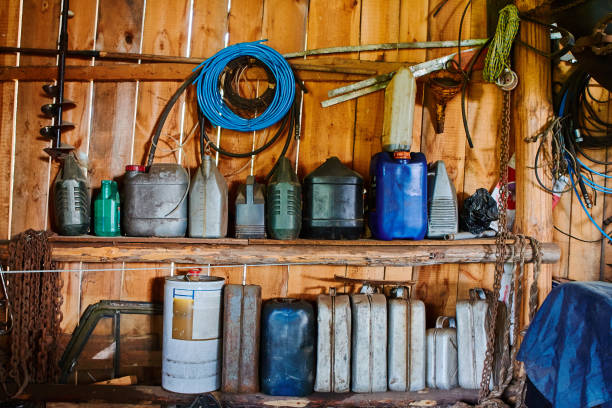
441	320
401	292
477	294
368	289
332	291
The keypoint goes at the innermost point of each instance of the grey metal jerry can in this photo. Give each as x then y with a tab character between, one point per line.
369	341
241	328
472	339
333	343
442	354
406	363
208	202
251	210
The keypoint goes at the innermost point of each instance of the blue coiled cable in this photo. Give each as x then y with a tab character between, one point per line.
211	101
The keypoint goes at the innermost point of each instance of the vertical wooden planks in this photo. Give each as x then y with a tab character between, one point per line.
9	35
119	28
207	37
244	24
437	285
325	131
31	174
81	35
531	109
165	32
484	101
585	257
379	24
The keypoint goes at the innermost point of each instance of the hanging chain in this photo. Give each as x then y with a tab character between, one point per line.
500	245
36	299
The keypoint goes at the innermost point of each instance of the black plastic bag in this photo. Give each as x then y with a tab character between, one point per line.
478	211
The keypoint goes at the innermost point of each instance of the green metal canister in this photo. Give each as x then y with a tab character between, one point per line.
284	202
107	210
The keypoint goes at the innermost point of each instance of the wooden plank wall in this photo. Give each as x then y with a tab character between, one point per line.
115	121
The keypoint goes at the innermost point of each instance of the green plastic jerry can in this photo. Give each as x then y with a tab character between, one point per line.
107	210
284	202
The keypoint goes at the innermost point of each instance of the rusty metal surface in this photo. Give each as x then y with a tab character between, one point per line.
241	325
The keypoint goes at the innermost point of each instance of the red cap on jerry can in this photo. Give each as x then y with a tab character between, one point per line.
402	154
135	167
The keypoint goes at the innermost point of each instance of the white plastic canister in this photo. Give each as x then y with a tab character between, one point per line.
191	354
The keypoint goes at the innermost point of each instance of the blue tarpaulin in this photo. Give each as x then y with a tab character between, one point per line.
567	350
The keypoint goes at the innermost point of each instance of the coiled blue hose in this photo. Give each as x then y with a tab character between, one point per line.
211	101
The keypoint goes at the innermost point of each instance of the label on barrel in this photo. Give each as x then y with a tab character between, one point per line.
195	315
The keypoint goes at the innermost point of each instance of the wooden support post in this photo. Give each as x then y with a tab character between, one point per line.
531	110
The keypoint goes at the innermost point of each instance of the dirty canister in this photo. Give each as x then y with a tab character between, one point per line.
191	351
442	354
208	202
398	195
333	343
155	201
407	364
369	341
472	340
287	347
284	202
333	202
71	199
241	323
107	210
250	210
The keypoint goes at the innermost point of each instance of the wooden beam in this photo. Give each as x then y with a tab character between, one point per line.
155	395
329	69
357	253
531	111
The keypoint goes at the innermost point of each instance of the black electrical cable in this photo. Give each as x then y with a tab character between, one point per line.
164	114
246	107
289	119
575	237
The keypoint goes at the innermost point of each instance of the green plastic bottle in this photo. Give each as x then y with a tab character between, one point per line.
106	210
284	202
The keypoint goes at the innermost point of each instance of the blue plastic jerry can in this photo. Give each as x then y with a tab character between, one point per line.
398	195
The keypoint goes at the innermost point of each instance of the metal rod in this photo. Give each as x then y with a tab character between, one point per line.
198	60
361	84
387	46
354	94
61	68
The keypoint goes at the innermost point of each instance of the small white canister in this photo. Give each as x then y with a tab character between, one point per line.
191	354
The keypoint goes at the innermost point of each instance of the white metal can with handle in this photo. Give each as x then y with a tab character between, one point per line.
333	343
369	341
442	354
406	342
472	339
191	351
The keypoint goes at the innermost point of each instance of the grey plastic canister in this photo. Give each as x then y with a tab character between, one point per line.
192	345
208	202
155	201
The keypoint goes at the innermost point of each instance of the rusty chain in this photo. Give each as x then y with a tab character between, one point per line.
36	298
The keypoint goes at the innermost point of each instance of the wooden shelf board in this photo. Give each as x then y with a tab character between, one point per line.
140	394
256	252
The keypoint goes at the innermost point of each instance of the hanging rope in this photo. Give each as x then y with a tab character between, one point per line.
497	58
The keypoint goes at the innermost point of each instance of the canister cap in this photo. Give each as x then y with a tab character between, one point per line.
402	154
135	167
